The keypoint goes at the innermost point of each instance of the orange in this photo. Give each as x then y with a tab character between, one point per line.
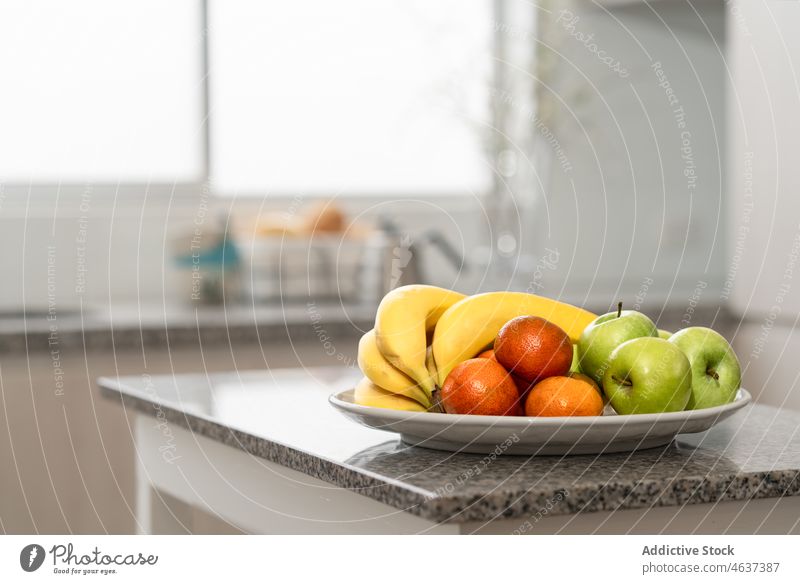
480	386
564	396
590	381
533	348
585	378
523	386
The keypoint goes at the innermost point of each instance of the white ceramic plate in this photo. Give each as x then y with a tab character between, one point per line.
529	435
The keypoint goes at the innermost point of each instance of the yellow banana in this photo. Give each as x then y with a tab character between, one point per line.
405	317
369	394
474	322
383	374
430	364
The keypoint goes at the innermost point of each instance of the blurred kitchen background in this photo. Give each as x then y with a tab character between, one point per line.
195	186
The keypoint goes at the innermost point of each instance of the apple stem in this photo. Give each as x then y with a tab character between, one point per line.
619	309
623	381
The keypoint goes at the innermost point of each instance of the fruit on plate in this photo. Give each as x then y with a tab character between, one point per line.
533	348
405	317
606	333
369	394
716	374
473	323
385	375
523	386
662	334
480	386
648	375
564	396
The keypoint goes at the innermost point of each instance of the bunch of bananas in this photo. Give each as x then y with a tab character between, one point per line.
422	332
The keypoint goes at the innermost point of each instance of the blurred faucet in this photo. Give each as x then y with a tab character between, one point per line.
406	262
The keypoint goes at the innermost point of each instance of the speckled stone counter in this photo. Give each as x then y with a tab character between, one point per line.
132	326
283	416
125	327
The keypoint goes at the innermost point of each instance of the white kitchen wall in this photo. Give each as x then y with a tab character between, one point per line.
764	113
632	138
764	240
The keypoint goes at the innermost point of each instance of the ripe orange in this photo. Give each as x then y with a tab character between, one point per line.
533	348
564	396
480	386
585	378
590	381
523	386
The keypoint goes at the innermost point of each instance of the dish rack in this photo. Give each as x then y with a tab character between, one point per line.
321	269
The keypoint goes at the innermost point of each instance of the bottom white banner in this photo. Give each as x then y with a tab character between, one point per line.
630	558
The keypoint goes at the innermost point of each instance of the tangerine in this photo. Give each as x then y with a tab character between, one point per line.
533	348
564	396
482	387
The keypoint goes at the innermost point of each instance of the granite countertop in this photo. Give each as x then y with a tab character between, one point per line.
135	326
131	326
283	416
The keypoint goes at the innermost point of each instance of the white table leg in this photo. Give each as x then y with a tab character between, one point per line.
251	493
156	512
144	496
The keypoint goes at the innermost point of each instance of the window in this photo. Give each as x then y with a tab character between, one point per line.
102	91
354	96
316	97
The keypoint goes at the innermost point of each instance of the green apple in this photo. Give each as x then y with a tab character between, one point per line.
716	374
648	376
662	334
606	333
